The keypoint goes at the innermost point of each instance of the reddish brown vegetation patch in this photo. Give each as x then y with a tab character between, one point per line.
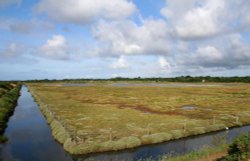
145	109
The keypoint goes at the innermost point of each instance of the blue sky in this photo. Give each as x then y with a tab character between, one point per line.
52	39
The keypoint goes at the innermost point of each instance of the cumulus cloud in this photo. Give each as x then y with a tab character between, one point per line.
203	21
169	39
191	36
83	11
56	48
238	51
194	19
4	3
128	38
207	56
234	54
121	63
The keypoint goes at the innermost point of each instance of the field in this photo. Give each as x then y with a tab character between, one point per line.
9	93
104	117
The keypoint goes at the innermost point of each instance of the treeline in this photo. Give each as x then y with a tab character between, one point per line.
245	79
9	93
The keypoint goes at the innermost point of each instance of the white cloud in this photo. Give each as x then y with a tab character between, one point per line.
121	63
127	38
201	21
209	54
56	48
12	50
124	42
178	8
234	53
241	9
238	50
164	64
83	11
4	3
194	19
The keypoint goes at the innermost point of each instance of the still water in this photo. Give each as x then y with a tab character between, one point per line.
172	148
29	135
30	139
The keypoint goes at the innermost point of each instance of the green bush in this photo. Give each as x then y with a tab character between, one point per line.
5	85
239	149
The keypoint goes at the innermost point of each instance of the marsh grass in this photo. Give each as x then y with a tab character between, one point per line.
9	94
103	118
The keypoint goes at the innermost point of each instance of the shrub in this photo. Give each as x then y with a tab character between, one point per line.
5	85
239	149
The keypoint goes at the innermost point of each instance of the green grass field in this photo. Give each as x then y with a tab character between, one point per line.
102	117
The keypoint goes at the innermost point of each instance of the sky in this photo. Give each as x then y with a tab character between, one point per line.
58	39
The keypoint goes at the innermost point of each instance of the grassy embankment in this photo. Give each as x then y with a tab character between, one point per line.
238	150
103	118
206	154
9	93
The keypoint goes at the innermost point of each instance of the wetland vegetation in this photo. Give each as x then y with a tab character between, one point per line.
239	149
101	117
9	93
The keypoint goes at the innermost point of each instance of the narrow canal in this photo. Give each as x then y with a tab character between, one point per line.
29	135
30	139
